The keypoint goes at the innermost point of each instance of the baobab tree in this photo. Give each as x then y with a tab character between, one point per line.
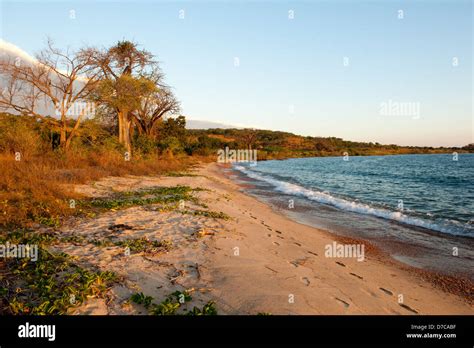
54	83
124	95
123	82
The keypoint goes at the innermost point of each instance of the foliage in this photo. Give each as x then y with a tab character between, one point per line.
174	304
20	134
157	195
278	145
206	213
51	285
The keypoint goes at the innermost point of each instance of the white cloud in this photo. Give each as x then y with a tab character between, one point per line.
13	50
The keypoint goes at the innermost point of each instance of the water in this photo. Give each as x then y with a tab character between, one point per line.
420	208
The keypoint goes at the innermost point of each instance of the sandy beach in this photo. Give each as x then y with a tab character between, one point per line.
257	261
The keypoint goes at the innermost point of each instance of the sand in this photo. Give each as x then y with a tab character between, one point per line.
259	261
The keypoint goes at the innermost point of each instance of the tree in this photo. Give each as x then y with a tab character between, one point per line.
124	95
174	127
153	107
124	67
57	81
249	137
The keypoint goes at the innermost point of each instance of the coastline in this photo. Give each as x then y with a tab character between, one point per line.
257	261
377	259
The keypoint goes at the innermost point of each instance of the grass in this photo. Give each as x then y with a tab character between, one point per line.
135	245
38	190
23	236
207	213
51	285
55	283
168	197
174	304
43	239
160	195
181	174
144	245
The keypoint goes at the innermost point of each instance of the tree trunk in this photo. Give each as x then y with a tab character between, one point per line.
62	138
63	132
73	131
120	126
126	122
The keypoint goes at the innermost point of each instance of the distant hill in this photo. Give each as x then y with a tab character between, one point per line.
279	145
199	124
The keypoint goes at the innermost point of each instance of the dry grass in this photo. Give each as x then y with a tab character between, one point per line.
38	189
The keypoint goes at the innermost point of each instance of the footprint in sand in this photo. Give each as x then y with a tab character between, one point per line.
310	252
298	244
298	262
408	308
269	235
294	263
276	243
388	292
280	237
119	227
279	232
305	281
340	264
343	302
356	275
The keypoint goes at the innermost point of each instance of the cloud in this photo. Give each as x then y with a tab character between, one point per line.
13	50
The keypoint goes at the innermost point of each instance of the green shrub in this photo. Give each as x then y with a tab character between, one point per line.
171	145
144	144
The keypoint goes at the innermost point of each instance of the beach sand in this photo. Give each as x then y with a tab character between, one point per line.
259	261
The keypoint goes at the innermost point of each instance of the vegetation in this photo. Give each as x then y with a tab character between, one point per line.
174	304
280	145
46	141
206	213
160	195
52	284
77	116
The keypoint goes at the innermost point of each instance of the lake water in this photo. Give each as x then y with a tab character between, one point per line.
420	208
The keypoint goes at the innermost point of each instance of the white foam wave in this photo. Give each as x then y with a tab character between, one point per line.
356	207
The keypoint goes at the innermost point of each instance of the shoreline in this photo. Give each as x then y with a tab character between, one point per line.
441	242
456	285
228	247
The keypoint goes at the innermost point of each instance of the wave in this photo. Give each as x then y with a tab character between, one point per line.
356	207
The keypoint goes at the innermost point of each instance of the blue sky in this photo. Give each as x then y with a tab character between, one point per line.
291	75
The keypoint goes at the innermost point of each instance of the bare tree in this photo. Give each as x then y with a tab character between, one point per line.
56	81
153	107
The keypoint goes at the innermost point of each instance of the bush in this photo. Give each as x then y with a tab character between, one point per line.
20	134
171	145
144	144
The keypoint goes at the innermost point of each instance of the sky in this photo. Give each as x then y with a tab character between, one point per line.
358	70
